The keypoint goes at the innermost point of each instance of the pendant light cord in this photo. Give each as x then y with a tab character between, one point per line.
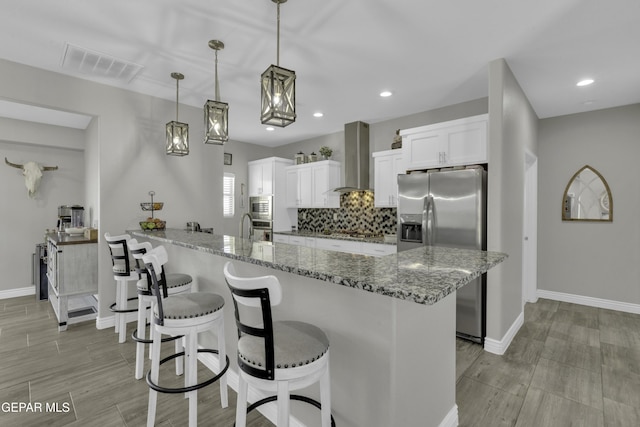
177	90
217	86
278	38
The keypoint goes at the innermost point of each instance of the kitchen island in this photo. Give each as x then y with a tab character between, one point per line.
390	320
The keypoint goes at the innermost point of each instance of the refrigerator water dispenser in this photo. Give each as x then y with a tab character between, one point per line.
411	232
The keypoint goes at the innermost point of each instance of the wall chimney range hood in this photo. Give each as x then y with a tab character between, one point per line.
356	157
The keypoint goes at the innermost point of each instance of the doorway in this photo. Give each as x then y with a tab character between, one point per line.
530	230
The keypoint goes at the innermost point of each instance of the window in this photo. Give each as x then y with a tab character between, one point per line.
228	186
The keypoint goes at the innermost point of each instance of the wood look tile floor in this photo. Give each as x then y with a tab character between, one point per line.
569	365
86	376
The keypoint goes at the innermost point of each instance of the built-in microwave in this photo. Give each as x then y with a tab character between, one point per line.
261	207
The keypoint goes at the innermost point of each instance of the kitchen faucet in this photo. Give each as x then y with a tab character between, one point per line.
247	214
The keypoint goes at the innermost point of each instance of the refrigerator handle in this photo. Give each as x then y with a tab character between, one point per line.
427	221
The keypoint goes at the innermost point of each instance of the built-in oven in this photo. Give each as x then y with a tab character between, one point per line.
262	230
261	207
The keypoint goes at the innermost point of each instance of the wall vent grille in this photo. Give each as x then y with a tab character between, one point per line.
90	62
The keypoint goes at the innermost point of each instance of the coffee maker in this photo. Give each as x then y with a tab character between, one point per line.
70	217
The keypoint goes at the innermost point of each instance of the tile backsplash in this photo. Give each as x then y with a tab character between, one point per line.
356	212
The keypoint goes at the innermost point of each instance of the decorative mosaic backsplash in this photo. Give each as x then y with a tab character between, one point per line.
356	212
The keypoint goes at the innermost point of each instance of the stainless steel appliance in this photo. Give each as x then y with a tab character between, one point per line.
447	207
261	207
261	217
39	278
193	226
262	230
70	216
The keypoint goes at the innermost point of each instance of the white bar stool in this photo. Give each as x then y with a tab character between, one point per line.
277	356
184	314
123	273
175	283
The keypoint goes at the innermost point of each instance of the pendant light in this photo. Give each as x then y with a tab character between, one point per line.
278	90
177	133
216	113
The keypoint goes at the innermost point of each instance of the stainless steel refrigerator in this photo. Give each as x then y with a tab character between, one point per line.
447	207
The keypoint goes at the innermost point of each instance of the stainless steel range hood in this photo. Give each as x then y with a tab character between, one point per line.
356	157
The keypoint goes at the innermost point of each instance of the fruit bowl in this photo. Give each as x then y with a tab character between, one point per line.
155	224
155	206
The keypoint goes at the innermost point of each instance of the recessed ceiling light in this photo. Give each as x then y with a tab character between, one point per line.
270	129
385	93
318	114
585	82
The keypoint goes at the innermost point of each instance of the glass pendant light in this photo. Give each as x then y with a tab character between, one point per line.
216	113
278	93
177	133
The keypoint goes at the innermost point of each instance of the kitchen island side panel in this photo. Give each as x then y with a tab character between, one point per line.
392	362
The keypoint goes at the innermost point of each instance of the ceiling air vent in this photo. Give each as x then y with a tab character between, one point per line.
94	63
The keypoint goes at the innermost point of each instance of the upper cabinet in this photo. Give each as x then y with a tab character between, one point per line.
261	177
309	185
298	186
267	178
453	143
386	167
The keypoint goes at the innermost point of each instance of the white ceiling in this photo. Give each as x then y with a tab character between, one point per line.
429	53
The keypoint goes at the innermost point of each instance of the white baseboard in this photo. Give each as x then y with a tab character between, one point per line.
451	420
18	292
590	301
500	346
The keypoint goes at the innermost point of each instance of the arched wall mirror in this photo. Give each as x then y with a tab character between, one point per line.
587	197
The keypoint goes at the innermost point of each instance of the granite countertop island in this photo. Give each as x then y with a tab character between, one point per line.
391	320
424	275
386	239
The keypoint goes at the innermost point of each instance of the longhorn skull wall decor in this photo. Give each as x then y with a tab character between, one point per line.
32	172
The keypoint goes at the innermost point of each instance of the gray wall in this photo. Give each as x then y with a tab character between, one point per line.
598	260
512	130
23	220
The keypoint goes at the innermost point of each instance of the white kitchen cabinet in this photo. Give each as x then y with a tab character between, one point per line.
325	177
349	246
261	177
377	249
298	187
453	143
72	272
387	165
267	178
280	238
297	240
309	185
309	242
